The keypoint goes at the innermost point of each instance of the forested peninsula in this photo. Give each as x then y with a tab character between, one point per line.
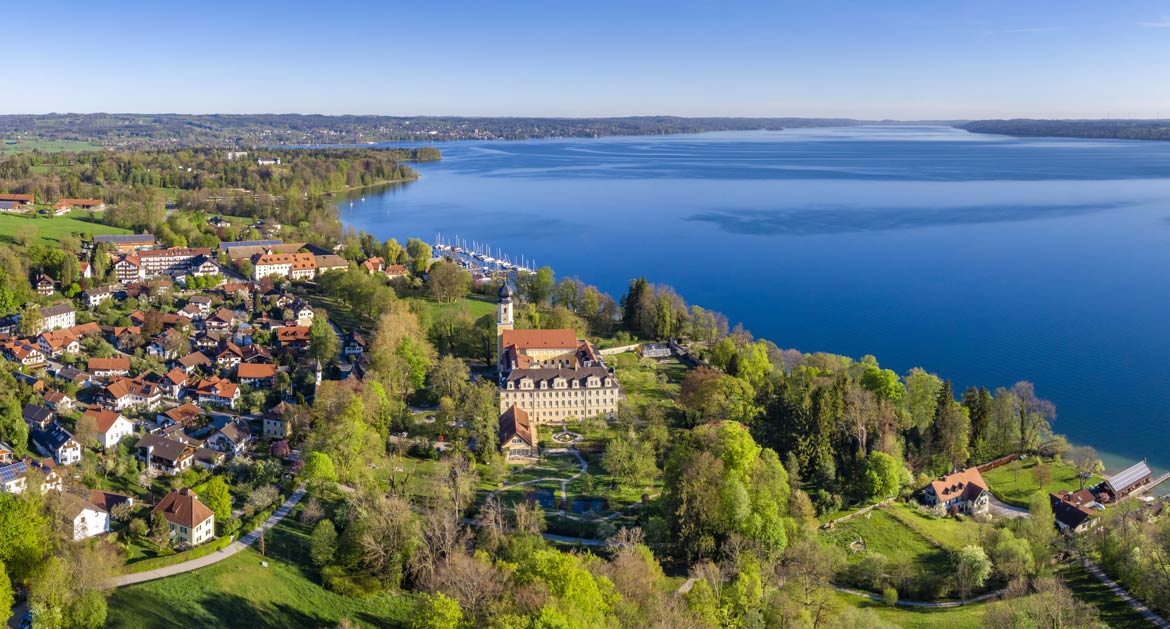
1099	129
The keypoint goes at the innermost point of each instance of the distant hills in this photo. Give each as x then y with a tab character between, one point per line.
247	130
1111	129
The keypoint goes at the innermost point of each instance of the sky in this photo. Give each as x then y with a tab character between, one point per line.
822	58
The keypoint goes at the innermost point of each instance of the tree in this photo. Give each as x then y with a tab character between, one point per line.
323	341
1087	463
30	320
160	530
449	377
7	596
436	611
630	459
447	282
217	497
420	255
972	567
88	611
882	476
322	543
719	482
536	288
1042	474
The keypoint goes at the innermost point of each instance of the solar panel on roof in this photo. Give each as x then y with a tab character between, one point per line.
12	472
249	243
1129	476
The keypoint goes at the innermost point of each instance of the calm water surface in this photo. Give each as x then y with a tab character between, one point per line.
984	259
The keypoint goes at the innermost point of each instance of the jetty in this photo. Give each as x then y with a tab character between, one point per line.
477	256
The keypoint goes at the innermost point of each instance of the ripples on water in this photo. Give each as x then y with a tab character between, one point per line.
982	258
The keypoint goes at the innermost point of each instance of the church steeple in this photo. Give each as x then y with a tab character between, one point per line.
504	316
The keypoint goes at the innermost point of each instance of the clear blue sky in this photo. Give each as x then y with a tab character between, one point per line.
888	59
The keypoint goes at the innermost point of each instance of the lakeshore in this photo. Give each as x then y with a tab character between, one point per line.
1016	273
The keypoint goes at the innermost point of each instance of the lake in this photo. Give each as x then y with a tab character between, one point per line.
982	258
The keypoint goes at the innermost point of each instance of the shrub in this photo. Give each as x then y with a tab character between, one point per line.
890	595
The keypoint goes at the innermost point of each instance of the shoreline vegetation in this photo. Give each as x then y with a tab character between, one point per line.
729	462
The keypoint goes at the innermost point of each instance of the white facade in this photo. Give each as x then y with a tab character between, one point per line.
90	522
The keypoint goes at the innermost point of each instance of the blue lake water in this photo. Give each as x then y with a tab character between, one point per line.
984	259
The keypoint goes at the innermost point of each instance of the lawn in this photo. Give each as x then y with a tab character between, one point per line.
968	616
648	381
51	229
914	546
1114	612
1015	483
475	306
241	592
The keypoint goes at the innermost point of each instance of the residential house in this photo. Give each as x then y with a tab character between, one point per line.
58	401
18	199
58	342
517	435
105	368
108	500
94	297
330	262
1074	511
174	383
354	344
128	269
193	361
395	271
66	205
43	472
185	416
232	439
229	356
374	265
961	492
192	522
13	472
191	311
302	312
165	454
202	302
222	321
126	338
112	427
256	375
87	519
56	442
37	417
57	316
23	352
75	376
293	337
217	391
124	393
44	286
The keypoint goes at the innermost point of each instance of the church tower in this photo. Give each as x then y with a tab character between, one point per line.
503	321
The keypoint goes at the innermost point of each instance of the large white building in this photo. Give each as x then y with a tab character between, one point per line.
57	316
174	262
551	374
295	266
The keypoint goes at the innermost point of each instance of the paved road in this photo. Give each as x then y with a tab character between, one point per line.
1000	508
1120	593
217	556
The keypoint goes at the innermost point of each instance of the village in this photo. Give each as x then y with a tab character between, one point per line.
165	410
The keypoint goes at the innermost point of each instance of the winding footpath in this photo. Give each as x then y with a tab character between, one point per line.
1120	593
219	555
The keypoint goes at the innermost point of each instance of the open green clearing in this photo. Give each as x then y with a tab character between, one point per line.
915	545
51	229
241	592
647	380
965	617
1015	482
46	146
475	306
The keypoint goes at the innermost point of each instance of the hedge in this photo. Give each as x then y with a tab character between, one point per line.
152	563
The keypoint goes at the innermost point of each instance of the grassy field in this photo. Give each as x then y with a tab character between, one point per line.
50	230
1114	612
648	381
966	617
46	146
475	306
1015	483
920	544
242	592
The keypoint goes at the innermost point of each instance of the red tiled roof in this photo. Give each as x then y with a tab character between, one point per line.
183	508
540	339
